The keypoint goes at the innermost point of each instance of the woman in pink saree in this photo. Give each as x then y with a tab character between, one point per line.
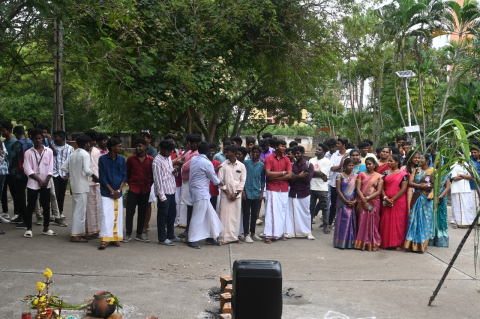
369	190
394	220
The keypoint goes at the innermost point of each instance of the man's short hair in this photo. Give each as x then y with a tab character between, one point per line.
193	138
279	142
250	139
7	126
405	143
363	145
139	141
343	140
146	133
369	141
113	142
289	149
237	139
211	146
81	140
299	148
349	146
92	133
267	135
263	143
43	127
60	134
102	136
331	142
256	147
400	138
202	146
19	130
167	145
231	148
243	149
292	144
171	136
323	147
35	132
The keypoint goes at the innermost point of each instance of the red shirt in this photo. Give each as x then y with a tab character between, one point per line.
139	175
277	165
214	188
178	178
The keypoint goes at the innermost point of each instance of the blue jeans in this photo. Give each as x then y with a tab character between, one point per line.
166	214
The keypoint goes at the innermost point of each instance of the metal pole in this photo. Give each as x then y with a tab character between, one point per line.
408	103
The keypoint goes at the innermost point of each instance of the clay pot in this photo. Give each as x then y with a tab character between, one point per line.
100	307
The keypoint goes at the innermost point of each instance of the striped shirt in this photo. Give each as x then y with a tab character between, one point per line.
61	157
3	160
163	177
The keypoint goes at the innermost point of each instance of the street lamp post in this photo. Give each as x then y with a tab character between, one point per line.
406	76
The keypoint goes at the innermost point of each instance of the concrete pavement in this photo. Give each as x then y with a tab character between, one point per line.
319	281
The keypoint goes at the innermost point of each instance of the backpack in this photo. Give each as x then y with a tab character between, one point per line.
26	144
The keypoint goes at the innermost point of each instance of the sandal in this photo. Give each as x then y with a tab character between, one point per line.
28	234
2	232
399	249
114	244
327	229
182	235
49	233
102	246
454	226
268	241
284	238
78	239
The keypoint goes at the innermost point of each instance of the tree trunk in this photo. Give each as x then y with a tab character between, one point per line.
237	122
246	116
360	104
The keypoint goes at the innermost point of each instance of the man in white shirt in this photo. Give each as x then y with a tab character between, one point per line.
319	184
337	161
77	166
462	201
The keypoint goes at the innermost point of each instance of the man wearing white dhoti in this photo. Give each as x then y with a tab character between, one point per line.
462	201
112	170
77	168
186	199
204	222
298	219
233	174
278	170
94	199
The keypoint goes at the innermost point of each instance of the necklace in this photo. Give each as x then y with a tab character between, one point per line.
369	174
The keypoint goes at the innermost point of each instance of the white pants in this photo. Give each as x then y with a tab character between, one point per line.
462	208
205	222
297	221
275	212
185	200
111	219
79	209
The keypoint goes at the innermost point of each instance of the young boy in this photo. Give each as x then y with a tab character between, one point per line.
232	173
278	170
60	178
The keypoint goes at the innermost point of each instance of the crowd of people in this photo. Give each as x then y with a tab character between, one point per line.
370	200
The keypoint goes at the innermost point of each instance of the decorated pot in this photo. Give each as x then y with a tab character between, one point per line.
100	308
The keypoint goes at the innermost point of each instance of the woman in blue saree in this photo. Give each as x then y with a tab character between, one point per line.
345	223
358	167
440	224
420	221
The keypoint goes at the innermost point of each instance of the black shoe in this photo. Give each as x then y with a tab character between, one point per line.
18	220
21	226
211	241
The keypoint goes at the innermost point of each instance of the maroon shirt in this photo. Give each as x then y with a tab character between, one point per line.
139	175
301	187
214	188
178	177
277	165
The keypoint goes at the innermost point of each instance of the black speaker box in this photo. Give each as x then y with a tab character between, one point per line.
257	289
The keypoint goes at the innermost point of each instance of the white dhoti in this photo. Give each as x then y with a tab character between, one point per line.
94	209
185	200
178	194
229	213
111	219
275	212
79	210
152	197
205	222
462	208
297	220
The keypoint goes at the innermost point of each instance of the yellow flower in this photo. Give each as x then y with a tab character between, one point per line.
42	298
112	300
48	273
40	286
35	302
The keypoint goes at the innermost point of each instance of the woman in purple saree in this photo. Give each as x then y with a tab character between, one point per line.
345	223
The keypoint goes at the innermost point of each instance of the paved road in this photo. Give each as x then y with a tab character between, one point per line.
175	282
